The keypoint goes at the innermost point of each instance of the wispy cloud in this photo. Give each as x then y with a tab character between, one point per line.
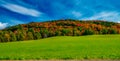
41	10
111	16
118	21
76	14
15	22
3	25
21	9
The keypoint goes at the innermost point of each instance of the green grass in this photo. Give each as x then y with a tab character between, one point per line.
63	47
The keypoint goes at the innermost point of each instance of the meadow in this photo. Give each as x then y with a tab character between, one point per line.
63	47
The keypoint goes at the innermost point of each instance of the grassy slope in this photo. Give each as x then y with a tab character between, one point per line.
64	47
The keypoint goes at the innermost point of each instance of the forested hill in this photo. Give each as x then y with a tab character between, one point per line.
38	30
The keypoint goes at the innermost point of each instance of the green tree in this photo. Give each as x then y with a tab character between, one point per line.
57	33
7	37
51	33
113	31
20	36
74	32
37	35
80	29
12	37
20	27
2	38
44	33
104	31
31	30
30	36
88	32
65	32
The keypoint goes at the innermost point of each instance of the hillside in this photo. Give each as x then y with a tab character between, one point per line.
68	27
63	48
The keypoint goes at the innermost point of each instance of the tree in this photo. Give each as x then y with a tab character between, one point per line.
12	37
44	33
37	35
1	40
31	30
88	32
51	33
80	28
112	31
30	36
74	32
104	31
65	32
20	27
57	33
7	37
20	36
0	36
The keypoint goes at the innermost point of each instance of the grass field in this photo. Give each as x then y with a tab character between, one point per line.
63	47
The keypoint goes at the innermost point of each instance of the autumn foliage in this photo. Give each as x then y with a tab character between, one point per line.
68	27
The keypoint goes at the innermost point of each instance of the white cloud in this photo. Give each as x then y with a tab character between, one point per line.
21	9
111	16
118	21
76	14
3	25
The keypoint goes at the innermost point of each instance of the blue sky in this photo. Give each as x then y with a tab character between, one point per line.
14	12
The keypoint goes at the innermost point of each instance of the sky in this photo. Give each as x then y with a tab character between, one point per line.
13	12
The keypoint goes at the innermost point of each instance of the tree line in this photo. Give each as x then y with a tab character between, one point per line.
34	31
